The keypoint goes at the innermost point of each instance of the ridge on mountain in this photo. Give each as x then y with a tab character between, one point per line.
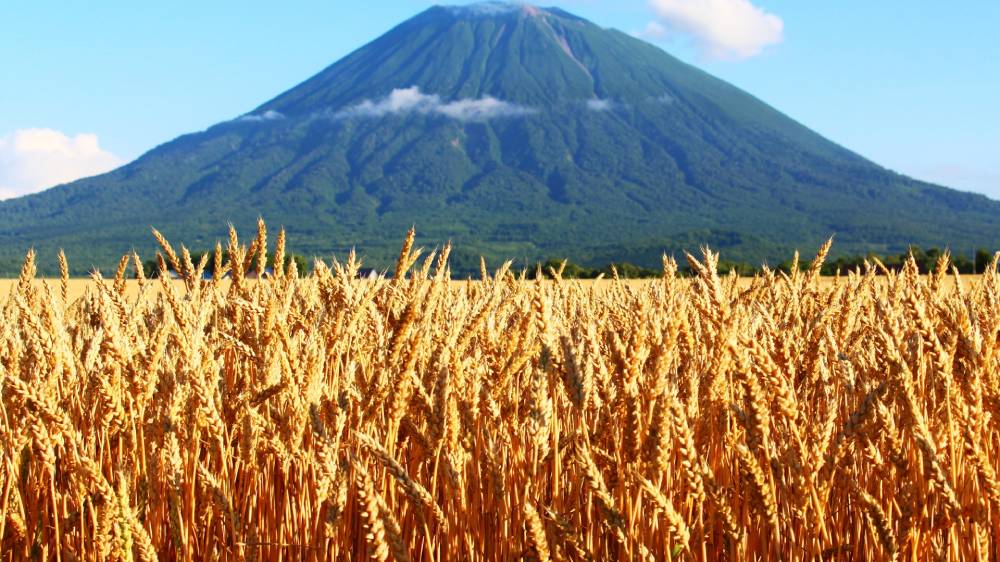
488	8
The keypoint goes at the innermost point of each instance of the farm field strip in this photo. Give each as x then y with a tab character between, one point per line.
78	286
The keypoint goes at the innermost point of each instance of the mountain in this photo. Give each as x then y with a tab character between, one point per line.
513	131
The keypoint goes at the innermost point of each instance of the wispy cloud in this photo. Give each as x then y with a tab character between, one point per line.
34	159
599	105
412	100
721	29
269	115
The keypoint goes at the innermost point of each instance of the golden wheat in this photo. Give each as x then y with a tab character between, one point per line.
258	416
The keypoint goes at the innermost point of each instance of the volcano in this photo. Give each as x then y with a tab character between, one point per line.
513	131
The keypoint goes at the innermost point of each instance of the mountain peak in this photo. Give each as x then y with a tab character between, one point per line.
512	130
492	8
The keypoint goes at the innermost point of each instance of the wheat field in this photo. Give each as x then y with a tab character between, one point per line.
324	417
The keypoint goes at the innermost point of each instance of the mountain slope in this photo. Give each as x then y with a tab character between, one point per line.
514	131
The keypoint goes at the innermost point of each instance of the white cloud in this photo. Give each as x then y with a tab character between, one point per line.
35	159
269	115
721	29
480	109
412	100
599	105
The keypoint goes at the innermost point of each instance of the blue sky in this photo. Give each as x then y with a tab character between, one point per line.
85	86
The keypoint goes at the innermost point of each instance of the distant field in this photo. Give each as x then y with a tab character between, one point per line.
78	287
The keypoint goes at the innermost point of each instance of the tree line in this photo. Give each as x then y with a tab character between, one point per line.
926	261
